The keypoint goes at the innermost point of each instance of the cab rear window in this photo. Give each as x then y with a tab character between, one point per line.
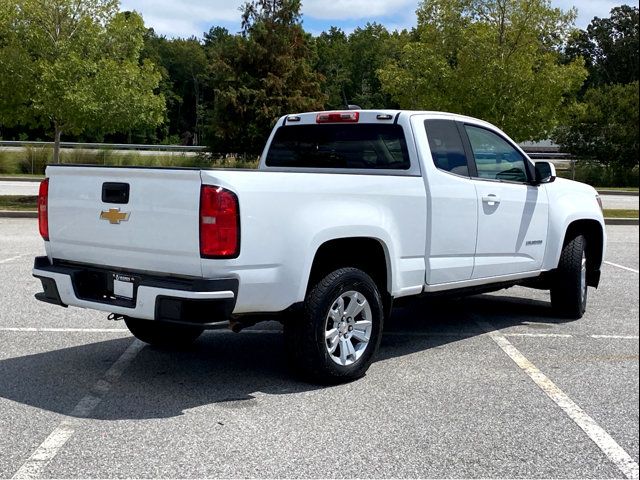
363	146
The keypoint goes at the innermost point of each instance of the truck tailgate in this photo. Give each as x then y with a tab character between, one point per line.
156	230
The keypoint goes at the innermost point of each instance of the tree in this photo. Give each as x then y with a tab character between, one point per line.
604	127
183	63
371	48
335	65
350	64
493	59
74	66
609	47
262	74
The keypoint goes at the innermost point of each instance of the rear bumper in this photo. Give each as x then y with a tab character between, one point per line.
194	300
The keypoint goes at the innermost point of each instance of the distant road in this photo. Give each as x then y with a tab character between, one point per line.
620	202
19	188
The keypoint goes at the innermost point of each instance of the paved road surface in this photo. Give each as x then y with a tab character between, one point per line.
80	398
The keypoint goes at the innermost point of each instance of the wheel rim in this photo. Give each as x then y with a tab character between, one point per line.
348	328
583	279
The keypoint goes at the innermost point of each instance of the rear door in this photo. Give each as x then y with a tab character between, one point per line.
126	218
452	219
513	214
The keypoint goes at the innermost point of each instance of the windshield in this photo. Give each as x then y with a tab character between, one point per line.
364	146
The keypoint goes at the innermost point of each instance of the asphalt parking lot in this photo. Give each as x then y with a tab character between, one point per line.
491	386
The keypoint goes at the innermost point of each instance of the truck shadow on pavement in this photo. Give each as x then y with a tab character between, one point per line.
232	370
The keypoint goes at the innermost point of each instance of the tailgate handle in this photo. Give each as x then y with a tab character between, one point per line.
115	193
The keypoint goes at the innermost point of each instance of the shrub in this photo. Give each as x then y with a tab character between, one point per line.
33	160
8	163
599	175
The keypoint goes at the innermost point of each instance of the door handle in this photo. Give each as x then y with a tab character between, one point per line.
491	200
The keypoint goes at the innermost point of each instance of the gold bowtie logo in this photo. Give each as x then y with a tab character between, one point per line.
115	216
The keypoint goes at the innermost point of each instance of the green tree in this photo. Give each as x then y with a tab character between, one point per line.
335	65
604	127
262	74
74	66
372	47
183	63
609	47
493	59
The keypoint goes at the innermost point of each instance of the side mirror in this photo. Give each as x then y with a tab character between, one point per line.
545	172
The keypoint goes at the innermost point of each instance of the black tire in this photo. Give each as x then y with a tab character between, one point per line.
305	337
569	290
164	335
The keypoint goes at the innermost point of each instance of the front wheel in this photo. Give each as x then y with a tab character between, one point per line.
569	290
340	330
163	335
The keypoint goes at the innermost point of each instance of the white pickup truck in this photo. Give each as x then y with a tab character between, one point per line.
347	212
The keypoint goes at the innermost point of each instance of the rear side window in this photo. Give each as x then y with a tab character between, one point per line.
496	159
364	146
446	146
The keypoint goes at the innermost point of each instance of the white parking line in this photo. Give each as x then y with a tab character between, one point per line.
539	335
48	449
622	267
63	330
595	432
617	337
7	260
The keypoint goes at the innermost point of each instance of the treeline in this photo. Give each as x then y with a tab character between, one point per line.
227	90
520	65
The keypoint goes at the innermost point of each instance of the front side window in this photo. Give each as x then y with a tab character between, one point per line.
496	159
446	146
364	146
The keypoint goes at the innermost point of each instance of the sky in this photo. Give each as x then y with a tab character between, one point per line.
175	18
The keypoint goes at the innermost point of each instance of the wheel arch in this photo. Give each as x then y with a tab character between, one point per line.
594	234
368	254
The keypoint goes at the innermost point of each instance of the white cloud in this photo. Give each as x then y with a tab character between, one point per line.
178	18
357	9
174	18
587	9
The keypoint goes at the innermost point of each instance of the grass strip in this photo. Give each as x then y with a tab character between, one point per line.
618	189
609	213
18	203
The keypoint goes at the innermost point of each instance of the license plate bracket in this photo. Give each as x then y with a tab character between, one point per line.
124	286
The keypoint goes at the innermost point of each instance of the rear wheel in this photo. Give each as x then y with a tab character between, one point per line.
569	291
340	329
164	335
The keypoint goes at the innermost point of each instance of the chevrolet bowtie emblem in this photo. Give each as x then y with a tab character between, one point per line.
115	216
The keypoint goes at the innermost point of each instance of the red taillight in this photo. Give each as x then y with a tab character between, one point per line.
43	204
219	223
338	117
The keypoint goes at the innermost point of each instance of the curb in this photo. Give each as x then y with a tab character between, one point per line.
21	179
18	214
621	221
619	193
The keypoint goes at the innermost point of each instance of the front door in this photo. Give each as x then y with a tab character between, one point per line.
513	214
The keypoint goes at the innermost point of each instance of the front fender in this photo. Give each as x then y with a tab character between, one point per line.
567	206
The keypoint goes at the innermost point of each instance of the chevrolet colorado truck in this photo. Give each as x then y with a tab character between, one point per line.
347	212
